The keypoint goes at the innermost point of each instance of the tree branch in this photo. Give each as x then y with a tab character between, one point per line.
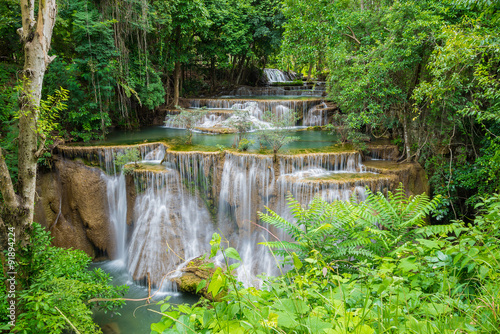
6	186
41	149
353	36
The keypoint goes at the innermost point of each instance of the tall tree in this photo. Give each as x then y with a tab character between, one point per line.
18	202
189	18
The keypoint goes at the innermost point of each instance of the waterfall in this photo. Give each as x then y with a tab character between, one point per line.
104	156
117	204
257	107
305	90
274	75
247	185
179	205
316	116
172	225
172	221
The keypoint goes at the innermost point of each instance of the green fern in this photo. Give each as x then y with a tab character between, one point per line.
355	231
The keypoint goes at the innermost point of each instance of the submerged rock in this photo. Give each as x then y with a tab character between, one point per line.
111	328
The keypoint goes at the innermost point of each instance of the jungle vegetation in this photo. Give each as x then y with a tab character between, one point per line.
425	74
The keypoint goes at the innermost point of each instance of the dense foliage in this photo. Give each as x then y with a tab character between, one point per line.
422	73
55	287
121	60
438	280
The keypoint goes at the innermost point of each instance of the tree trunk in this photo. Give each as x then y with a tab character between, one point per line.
406	137
17	209
35	36
241	66
177	77
212	64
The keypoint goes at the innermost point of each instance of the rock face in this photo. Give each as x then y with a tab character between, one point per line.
73	207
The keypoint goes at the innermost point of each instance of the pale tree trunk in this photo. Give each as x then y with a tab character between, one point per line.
17	211
177	77
406	135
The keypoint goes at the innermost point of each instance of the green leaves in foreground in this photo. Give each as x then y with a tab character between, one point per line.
56	288
352	230
443	283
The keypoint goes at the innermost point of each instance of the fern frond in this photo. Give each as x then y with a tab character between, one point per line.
276	220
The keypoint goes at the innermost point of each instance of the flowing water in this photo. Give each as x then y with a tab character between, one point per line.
182	195
273	75
310	110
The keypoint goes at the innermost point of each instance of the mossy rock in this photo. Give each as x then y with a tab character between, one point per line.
195	272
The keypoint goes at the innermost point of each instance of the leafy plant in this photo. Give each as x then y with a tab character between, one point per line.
442	283
127	156
56	287
351	231
279	134
245	144
240	120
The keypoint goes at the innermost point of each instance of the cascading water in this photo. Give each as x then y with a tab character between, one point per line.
172	225
117	203
306	90
247	184
179	205
274	75
299	106
172	222
316	116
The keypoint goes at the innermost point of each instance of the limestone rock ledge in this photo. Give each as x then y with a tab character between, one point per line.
73	206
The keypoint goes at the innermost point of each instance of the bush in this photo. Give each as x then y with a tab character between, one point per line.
128	156
57	287
244	144
349	232
442	283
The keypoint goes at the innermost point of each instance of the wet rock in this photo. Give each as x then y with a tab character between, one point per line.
195	272
111	328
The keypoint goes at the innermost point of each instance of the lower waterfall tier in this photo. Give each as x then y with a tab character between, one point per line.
161	215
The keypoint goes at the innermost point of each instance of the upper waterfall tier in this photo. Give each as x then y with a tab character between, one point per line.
311	110
304	90
104	156
299	105
275	75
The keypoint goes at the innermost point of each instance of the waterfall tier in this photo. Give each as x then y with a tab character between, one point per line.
104	156
312	111
274	75
305	90
163	215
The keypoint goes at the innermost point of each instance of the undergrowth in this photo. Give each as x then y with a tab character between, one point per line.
403	277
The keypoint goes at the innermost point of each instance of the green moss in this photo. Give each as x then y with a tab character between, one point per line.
348	176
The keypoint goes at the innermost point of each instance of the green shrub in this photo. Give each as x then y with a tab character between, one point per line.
433	280
56	286
126	157
352	231
244	144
